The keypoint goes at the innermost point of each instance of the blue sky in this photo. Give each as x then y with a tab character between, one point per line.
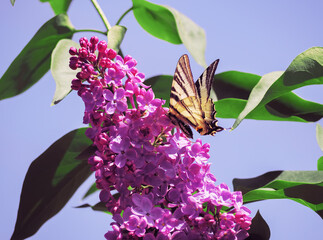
250	36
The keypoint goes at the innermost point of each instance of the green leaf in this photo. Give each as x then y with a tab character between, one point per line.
305	69
233	88
34	60
320	164
91	190
168	24
115	37
156	20
304	187
259	229
192	36
62	73
51	181
161	85
319	135
59	6
257	93
12	2
234	84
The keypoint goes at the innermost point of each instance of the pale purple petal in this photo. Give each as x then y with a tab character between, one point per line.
119	93
131	63
136	199
119	59
195	169
156	213
120	161
115	145
140	99
149	96
108	95
121	106
146	205
117	218
111	107
141	228
173	195
132	223
131	154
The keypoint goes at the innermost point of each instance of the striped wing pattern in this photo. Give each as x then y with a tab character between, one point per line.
190	104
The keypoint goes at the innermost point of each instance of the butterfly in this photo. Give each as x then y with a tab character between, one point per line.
190	104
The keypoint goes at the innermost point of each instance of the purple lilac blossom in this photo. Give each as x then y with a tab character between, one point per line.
164	186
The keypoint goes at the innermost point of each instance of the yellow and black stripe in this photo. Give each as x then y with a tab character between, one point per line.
190	104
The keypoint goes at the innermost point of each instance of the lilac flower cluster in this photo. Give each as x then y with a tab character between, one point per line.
157	184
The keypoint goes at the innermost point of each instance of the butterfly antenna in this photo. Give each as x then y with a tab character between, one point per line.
228	129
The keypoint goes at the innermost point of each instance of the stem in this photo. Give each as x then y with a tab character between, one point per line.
90	30
125	13
101	13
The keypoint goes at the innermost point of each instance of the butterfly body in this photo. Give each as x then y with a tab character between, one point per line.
190	103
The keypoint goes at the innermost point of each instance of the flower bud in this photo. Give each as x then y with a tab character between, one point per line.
92	57
73	51
73	63
83	52
111	53
83	42
102	46
94	40
76	84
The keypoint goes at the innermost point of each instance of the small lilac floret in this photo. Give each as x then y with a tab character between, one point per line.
115	100
136	225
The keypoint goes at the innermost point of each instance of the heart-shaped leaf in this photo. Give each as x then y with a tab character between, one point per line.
61	72
115	37
192	36
156	20
51	181
304	187
34	60
168	24
305	69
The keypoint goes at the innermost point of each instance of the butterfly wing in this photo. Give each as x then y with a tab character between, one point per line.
203	89
185	107
204	82
190	104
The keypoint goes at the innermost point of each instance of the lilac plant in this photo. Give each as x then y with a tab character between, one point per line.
157	184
